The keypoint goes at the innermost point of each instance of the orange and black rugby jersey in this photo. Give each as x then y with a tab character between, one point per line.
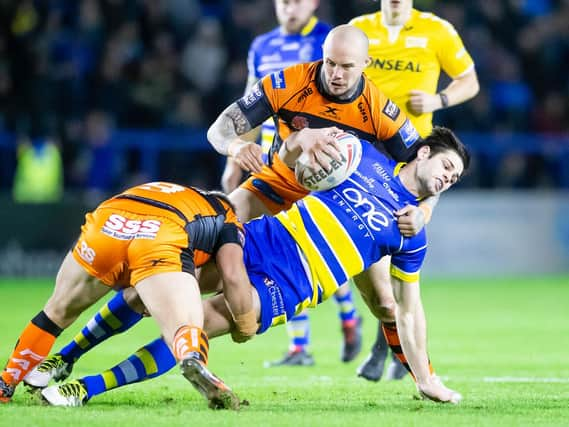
296	99
208	220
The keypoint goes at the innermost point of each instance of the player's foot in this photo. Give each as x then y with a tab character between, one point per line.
352	344
293	358
396	370
51	368
372	368
72	393
216	392
6	391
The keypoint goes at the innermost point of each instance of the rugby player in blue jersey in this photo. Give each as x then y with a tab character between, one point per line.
300	257
298	39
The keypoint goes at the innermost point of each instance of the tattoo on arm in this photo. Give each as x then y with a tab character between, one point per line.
230	124
240	122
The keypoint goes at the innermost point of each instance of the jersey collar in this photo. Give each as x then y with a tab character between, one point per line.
309	26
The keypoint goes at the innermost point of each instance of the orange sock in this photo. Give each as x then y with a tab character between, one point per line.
190	341
32	347
392	338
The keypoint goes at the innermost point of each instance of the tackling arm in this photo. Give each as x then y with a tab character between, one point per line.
237	289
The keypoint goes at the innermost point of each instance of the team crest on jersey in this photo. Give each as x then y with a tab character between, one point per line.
299	122
278	80
391	110
416	42
408	133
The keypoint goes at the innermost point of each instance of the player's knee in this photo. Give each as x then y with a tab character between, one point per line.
386	310
133	300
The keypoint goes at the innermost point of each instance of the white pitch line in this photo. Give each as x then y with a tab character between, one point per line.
524	380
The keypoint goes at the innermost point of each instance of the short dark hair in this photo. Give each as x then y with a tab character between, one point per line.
442	139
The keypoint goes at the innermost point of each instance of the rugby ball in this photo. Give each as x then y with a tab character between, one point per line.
321	179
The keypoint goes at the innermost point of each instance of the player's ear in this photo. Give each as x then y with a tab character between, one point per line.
423	152
368	61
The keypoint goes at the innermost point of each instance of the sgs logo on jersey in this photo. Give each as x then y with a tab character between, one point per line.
123	228
375	219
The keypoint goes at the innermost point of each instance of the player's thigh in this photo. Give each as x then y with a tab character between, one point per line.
381	280
75	290
173	299
377	292
247	204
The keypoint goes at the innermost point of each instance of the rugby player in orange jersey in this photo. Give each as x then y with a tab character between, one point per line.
151	237
333	92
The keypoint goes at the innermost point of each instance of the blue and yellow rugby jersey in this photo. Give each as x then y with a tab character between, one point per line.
273	51
413	58
300	257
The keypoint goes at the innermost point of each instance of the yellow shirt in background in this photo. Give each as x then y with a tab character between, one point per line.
413	57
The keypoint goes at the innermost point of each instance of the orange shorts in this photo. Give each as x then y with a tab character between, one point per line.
121	247
275	186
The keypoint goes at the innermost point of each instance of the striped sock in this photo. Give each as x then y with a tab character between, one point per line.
392	337
298	330
347	309
150	361
114	317
190	341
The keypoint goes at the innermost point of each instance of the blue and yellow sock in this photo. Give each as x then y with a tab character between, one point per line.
298	329
116	316
346	306
150	361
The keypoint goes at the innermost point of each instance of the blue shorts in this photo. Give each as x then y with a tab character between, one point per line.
275	270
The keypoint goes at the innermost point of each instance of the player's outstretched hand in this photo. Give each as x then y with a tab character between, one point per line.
436	391
247	155
410	220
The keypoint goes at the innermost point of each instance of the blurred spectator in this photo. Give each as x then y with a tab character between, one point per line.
204	56
97	166
176	63
39	171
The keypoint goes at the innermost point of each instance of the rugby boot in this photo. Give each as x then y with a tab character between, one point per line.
51	368
352	344
216	392
73	393
395	370
6	391
372	368
293	358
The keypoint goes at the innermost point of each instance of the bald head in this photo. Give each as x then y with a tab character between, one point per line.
345	56
349	38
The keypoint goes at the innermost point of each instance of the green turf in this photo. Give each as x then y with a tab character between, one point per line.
504	344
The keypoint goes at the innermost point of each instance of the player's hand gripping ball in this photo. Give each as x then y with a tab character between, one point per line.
321	179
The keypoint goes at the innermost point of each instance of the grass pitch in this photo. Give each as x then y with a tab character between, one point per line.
503	343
